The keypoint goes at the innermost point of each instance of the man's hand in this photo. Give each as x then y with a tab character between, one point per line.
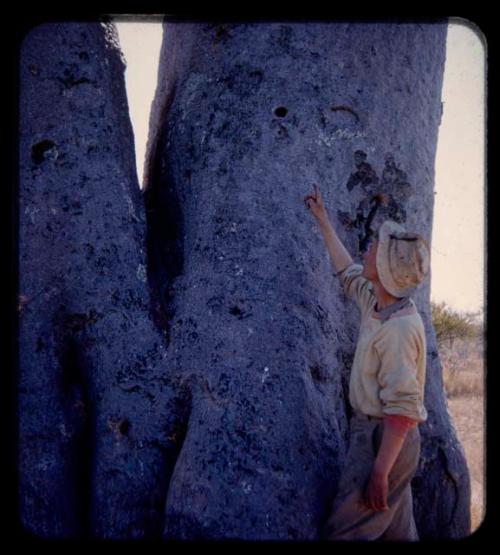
376	491
314	203
338	253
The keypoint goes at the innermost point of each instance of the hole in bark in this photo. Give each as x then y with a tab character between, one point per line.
43	150
236	311
318	374
124	427
315	372
119	426
282	131
280	112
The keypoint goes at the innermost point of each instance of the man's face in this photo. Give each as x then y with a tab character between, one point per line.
369	261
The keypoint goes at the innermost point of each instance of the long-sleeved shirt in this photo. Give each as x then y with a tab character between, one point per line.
388	370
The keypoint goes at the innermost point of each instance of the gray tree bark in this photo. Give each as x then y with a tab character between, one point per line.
190	380
245	119
99	414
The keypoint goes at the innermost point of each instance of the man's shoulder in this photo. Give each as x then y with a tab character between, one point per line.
351	269
407	323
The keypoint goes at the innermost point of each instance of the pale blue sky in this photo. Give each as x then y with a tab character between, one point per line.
458	229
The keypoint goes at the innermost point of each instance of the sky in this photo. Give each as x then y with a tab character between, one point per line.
457	246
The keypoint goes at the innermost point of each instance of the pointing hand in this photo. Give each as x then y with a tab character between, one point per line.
314	203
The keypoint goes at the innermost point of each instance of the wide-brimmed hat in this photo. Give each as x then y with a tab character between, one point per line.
403	259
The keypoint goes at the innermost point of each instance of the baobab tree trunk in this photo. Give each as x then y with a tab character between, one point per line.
216	405
99	416
246	118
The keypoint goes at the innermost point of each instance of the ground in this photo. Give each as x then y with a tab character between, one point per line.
463	372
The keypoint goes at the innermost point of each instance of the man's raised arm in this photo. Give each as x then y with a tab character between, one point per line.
338	253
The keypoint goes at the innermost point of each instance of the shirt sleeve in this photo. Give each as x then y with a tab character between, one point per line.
400	391
399	424
355	286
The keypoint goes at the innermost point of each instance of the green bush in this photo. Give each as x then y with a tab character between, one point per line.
450	324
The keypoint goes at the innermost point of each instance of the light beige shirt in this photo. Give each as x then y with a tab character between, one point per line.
388	370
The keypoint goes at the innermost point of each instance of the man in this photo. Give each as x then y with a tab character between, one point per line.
386	388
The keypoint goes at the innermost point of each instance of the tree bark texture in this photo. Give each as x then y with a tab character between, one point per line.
246	118
97	411
203	394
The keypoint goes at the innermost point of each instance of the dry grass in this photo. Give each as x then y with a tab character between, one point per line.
463	375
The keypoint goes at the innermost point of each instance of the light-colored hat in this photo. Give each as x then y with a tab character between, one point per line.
403	259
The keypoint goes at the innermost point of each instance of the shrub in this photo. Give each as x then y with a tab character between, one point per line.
450	324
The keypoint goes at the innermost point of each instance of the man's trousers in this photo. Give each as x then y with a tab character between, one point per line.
349	518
